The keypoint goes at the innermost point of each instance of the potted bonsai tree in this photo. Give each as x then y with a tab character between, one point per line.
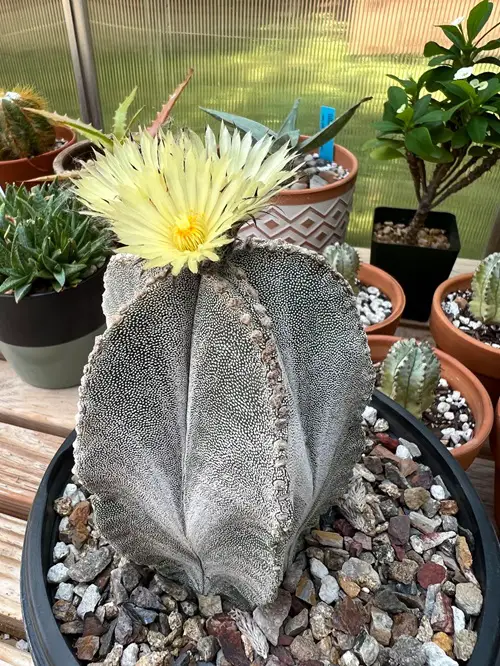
379	298
465	321
52	260
438	389
314	210
28	144
220	423
446	125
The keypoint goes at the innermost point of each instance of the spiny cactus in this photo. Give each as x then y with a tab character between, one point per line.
23	134
485	303
343	258
220	413
410	374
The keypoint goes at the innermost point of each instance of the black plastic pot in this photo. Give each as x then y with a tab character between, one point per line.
49	647
419	270
48	336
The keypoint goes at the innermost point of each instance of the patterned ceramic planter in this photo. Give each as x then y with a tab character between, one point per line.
312	218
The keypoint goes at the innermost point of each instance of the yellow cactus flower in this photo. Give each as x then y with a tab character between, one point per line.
175	200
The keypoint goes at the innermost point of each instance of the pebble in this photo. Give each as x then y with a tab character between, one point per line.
381	425
458	619
469	598
438	492
60	551
296	625
86	647
361	573
65	591
403	453
207	648
317	568
348	659
306	590
370	415
270	617
329	590
90	565
130	655
464	644
431	573
415	498
436	656
58	573
89	601
328	539
209	605
425	542
366	648
304	648
321	620
381	626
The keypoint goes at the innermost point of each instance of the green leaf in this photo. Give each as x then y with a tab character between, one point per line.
460	89
120	117
493	122
60	276
419	142
82	128
491	45
478	151
452	110
385	153
435	116
371	144
476	128
12	283
420	106
460	138
410	85
432	78
331	130
454	35
257	130
387	126
438	60
491	60
397	97
434	49
441	134
290	122
21	292
132	120
478	17
489	92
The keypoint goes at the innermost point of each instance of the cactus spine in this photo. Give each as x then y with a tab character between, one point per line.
485	303
343	258
410	375
23	134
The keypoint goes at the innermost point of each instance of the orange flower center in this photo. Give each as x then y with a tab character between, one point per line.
189	232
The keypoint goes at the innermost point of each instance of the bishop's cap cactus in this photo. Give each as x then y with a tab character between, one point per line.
410	375
343	258
23	134
220	412
485	303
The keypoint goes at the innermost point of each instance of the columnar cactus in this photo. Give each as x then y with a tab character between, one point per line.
220	412
23	134
343	258
410	375
485	303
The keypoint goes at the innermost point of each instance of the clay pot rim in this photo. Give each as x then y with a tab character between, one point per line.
398	304
61	133
482	432
445	288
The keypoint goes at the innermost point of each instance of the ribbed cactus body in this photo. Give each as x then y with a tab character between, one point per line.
220	413
345	260
485	303
410	374
23	134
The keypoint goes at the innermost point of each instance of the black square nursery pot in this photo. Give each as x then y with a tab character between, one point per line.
50	648
419	270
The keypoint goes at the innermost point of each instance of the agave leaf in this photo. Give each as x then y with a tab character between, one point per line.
257	130
165	110
290	122
120	117
132	120
331	130
82	128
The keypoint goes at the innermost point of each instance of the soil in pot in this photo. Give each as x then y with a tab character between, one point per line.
401	576
418	268
48	336
373	305
380	300
456	308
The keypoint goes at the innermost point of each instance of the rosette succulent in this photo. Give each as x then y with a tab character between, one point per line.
220	412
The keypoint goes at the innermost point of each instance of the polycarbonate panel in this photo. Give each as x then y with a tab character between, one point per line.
34	51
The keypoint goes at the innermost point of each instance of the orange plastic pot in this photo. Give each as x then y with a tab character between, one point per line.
376	277
460	379
483	360
20	171
314	217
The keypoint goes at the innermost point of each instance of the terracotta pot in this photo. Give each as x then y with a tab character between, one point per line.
376	277
66	160
312	218
483	360
459	379
19	171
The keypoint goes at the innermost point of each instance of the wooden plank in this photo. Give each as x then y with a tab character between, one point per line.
24	456
11	656
11	544
42	410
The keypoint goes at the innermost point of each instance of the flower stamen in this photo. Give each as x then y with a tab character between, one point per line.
189	231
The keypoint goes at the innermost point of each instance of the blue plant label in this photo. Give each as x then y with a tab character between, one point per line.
326	116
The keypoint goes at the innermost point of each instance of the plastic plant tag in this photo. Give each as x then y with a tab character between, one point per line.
326	116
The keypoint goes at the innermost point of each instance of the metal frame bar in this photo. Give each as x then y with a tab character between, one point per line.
82	54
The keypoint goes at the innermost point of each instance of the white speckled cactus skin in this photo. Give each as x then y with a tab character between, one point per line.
221	413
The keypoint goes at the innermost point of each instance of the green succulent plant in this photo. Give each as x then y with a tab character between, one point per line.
23	134
343	258
288	131
485	303
410	375
46	242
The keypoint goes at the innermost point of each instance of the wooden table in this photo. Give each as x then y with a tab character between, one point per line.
33	424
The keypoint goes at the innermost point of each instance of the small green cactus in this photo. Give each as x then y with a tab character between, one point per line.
23	134
410	375
485	303
343	258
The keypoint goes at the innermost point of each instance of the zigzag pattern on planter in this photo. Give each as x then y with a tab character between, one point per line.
313	226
